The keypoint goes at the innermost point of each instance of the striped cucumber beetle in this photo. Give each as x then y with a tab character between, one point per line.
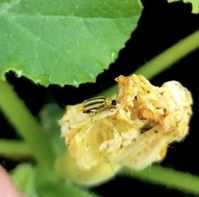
97	104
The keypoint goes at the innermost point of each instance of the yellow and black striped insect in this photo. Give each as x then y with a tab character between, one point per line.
96	104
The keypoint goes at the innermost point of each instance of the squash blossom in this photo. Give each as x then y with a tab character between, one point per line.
136	133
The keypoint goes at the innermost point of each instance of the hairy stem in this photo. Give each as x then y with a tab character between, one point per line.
14	149
165	60
167	177
26	125
170	56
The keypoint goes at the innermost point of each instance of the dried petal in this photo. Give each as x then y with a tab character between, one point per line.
136	132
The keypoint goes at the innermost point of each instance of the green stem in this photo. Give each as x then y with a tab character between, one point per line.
170	56
26	125
167	177
165	60
14	149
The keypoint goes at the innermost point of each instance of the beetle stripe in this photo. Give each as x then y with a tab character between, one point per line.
93	108
94	104
94	98
87	104
101	99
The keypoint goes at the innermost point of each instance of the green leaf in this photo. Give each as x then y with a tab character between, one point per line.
195	4
41	182
63	41
24	177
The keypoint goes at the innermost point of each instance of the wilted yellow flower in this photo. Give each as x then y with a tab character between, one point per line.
136	132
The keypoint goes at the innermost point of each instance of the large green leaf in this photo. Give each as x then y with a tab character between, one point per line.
63	41
195	4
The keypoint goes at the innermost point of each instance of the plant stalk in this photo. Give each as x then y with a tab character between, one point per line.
171	178
26	125
14	149
164	60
